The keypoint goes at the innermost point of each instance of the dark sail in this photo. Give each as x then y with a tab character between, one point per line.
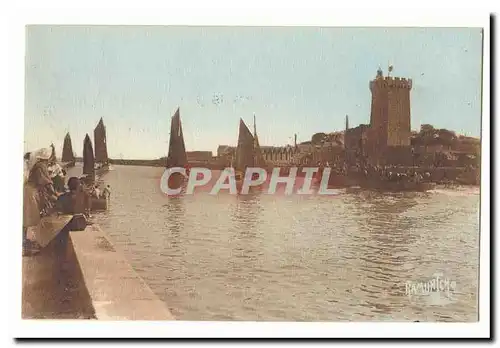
88	158
101	150
245	149
177	156
182	145
67	153
258	156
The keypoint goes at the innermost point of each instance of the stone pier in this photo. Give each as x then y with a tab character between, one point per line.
81	275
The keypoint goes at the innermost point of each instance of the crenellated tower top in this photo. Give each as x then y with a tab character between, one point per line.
390	82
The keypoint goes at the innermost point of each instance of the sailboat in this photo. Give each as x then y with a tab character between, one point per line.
259	160
244	156
177	156
68	157
88	158
101	150
90	171
248	153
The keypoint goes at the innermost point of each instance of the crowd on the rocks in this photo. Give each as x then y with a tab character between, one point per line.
389	173
45	193
385	173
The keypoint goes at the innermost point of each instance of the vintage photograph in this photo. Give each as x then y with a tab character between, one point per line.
252	173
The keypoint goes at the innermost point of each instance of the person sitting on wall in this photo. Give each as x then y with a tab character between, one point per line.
57	175
39	196
96	192
31	214
72	201
89	185
40	182
86	187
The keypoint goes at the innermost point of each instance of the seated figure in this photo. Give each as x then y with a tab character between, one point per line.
96	192
106	192
57	175
74	200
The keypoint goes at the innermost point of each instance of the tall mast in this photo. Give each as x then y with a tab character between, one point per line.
53	153
254	126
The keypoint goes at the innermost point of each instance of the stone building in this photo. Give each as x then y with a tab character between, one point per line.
302	154
199	156
388	137
355	143
223	150
279	155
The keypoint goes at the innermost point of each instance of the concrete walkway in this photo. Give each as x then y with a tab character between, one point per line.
116	290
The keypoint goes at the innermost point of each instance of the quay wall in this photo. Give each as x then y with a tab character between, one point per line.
53	285
82	275
117	292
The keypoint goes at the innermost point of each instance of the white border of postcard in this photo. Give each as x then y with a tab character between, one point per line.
224	13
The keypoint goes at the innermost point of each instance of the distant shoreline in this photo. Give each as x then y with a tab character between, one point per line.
134	162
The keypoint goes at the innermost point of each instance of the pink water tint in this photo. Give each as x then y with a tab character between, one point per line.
280	189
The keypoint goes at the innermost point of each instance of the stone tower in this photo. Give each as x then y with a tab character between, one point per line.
390	112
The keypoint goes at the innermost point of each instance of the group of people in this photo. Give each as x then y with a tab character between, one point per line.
385	173
45	193
389	173
95	191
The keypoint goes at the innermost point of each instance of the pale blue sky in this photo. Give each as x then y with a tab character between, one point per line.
296	80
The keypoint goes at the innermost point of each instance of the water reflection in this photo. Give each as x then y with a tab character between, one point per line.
176	215
384	261
246	212
246	219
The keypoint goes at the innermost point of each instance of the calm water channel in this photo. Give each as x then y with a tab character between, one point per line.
261	257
